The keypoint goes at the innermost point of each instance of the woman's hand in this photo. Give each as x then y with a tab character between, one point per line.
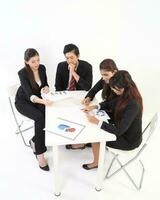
92	119
87	109
48	102
45	102
86	101
45	90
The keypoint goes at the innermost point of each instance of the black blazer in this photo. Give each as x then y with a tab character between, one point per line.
25	91
84	70
96	88
99	86
130	126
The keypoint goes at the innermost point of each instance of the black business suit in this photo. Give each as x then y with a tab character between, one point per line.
129	130
109	95
32	110
84	70
95	89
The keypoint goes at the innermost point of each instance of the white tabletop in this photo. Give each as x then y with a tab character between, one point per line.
70	109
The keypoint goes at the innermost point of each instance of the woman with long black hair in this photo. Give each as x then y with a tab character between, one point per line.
127	109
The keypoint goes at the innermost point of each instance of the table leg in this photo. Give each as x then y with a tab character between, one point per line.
100	169
56	171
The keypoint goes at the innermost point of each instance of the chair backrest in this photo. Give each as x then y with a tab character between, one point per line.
11	96
12	90
153	125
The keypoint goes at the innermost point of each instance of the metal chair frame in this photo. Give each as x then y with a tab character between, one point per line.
153	126
11	93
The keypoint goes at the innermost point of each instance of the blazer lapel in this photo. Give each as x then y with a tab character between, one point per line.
41	76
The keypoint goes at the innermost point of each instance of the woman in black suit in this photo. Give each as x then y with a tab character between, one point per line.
29	102
127	109
107	69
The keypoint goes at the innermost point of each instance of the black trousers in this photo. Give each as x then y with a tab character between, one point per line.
35	112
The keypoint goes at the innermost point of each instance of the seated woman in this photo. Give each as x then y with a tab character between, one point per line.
107	69
127	108
29	102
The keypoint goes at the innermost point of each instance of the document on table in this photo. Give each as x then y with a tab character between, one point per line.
57	96
66	128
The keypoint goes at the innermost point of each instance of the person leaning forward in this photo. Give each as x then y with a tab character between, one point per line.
73	74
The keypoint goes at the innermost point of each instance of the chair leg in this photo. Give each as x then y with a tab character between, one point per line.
17	131
115	155
20	132
142	175
18	126
122	167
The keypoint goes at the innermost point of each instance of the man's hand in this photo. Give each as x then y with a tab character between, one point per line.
72	67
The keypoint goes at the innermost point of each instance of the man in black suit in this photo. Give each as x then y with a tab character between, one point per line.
73	74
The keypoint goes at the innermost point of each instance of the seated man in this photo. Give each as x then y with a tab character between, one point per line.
73	74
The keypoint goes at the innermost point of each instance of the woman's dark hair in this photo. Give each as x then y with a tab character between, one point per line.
122	79
28	54
71	48
107	65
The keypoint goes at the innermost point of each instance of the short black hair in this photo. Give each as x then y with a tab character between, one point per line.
71	48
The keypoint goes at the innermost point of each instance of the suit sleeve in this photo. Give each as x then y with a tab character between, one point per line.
25	84
97	87
45	82
108	105
86	81
127	118
58	80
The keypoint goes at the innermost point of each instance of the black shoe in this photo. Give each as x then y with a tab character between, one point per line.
45	168
69	146
31	145
85	166
88	145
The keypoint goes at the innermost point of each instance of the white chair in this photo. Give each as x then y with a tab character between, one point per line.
19	118
133	155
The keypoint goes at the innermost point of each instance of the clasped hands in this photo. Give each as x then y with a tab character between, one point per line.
71	67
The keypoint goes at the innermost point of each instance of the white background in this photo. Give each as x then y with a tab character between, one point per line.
126	31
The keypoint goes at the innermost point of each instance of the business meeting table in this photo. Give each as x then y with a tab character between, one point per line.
66	123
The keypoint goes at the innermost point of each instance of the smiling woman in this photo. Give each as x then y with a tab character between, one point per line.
30	103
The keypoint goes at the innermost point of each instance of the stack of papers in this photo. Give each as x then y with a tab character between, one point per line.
57	96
